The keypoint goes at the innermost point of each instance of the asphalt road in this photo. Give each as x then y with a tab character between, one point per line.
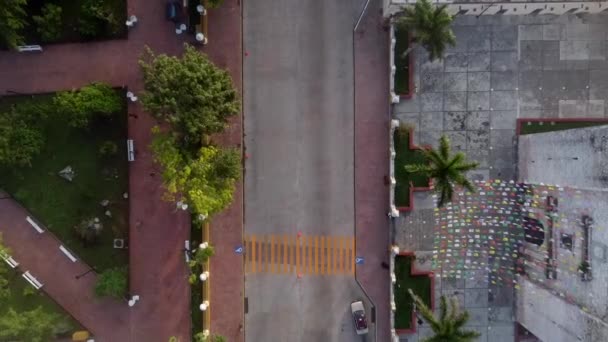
298	109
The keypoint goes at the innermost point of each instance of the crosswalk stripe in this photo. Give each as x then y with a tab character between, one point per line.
300	255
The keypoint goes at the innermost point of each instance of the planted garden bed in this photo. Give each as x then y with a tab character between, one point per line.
402	63
98	158
421	285
406	154
541	126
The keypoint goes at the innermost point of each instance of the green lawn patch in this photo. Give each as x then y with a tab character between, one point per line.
24	297
72	14
59	204
531	127
405	156
421	285
402	64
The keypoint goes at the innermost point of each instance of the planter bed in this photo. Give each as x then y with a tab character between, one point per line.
406	153
420	284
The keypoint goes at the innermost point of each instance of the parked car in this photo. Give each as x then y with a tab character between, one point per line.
174	11
359	317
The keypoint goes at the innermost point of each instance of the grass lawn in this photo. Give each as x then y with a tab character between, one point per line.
24	297
404	156
402	64
421	285
60	204
71	13
531	127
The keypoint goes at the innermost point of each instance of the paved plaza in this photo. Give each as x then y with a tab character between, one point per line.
502	68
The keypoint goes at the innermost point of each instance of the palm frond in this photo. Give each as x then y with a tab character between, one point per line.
418	168
444	147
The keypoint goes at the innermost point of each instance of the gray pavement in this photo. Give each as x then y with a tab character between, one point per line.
502	68
298	105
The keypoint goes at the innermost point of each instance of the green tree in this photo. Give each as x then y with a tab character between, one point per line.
204	181
33	326
78	106
445	170
97	17
21	135
112	282
12	21
5	290
49	24
448	326
190	93
202	255
429	26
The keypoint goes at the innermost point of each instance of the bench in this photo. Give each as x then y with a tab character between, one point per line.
67	253
9	260
32	280
202	27
29	48
130	150
34	224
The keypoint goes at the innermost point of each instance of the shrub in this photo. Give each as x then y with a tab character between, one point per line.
203	254
112	282
108	148
89	230
12	21
95	18
79	106
21	137
215	3
49	25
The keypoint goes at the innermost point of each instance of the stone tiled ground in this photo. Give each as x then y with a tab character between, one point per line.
502	68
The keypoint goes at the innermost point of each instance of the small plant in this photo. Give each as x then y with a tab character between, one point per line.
202	255
89	230
585	269
112	282
108	148
192	279
48	25
215	3
28	291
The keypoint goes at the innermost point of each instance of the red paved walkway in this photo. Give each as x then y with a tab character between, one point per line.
157	271
371	161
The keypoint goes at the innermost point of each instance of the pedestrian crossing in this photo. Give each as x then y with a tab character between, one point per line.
316	255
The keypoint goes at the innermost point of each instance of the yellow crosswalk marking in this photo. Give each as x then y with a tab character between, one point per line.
352	255
310	254
253	246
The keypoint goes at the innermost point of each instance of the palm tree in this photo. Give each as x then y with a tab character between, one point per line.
448	327
445	170
429	26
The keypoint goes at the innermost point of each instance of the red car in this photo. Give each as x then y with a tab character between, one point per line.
359	317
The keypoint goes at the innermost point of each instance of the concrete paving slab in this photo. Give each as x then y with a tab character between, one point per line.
477	280
502	138
503	100
431	102
478	317
456	81
573	50
503	61
597	50
479	174
408	105
504	38
409	118
480	38
479	61
431	121
502	158
500	314
478	121
456	62
501	333
476	298
430	138
504	80
452	283
478	81
504	173
500	296
530	80
554	32
458	140
530	100
462	34
503	119
530	55
455	121
478	100
480	156
478	140
530	32
577	31
454	101
431	82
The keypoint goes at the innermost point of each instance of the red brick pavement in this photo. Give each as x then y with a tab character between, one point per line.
157	271
371	161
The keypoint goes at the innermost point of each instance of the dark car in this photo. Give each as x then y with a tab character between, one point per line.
359	317
174	11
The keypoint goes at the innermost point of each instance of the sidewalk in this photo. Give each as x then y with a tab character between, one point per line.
157	270
371	161
40	255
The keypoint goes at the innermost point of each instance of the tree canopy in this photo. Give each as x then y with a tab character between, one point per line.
112	282
190	93
21	135
429	26
78	106
33	325
12	21
204	181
